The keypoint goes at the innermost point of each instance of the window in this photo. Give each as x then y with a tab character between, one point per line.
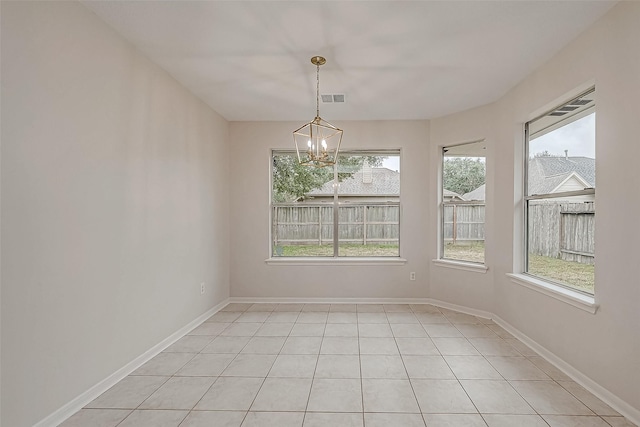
349	210
560	181
463	202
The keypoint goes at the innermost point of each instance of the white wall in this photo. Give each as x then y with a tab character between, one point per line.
604	346
250	160
114	206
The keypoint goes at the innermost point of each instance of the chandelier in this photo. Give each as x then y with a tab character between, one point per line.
317	142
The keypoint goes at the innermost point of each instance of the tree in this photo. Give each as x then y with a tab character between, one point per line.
463	174
292	181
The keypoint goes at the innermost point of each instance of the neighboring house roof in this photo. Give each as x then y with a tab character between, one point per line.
448	194
382	181
477	194
547	173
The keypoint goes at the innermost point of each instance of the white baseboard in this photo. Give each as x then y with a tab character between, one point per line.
628	411
82	400
330	300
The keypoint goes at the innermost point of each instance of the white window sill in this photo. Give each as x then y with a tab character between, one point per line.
461	265
576	299
335	261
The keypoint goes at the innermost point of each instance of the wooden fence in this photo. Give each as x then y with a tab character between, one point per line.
562	230
463	222
361	223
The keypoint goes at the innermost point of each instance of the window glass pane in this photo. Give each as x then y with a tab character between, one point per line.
561	245
369	197
561	158
300	227
463	204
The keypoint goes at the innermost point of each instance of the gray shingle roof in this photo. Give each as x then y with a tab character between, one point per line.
477	194
384	182
547	172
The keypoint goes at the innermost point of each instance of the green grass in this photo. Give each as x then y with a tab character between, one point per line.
573	274
344	250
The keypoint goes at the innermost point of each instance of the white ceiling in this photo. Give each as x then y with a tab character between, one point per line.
393	60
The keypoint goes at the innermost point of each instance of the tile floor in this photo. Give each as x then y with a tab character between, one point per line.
373	365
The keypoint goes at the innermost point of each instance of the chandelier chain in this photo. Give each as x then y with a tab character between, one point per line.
318	90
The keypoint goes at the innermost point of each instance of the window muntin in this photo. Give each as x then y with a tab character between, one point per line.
349	210
463	202
560	179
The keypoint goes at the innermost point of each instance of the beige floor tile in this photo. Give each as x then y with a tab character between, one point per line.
313	317
289	307
338	366
388	420
294	366
389	395
301	345
340	345
493	347
253	317
241	330
522	348
442	330
214	418
500	331
378	346
516	368
432	318
424	308
224	317
374	330
230	345
230	394
273	419
382	366
335	395
476	331
283	316
370	308
501	420
461	318
455	347
456	420
402	318
442	396
397	308
472	368
324	419
250	365
619	422
189	344
262	307
592	402
549	369
129	393
209	328
237	306
547	397
178	393
283	394
154	418
340	317
164	364
343	308
264	345
417	347
427	367
372	318
206	365
274	329
341	330
307	330
96	418
574	421
496	397
317	307
404	330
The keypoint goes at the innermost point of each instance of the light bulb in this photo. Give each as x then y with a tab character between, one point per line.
324	144
309	143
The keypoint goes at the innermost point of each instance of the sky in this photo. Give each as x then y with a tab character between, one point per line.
578	137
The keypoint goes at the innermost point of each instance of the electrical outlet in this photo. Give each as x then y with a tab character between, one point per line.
201	288
412	275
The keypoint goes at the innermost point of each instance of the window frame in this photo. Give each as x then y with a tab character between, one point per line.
335	204
442	260
527	198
